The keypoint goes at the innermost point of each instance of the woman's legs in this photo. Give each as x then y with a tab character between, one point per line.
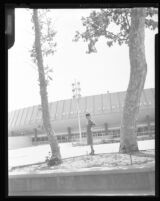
92	150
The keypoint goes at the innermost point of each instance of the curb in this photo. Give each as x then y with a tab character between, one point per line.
107	181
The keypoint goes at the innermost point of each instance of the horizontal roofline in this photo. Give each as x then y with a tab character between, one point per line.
71	99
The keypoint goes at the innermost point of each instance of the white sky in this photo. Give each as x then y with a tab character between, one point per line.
107	70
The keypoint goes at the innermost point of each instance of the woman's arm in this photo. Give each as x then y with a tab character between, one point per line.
92	123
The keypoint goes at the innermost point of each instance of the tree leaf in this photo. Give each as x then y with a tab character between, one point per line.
97	23
50	78
109	43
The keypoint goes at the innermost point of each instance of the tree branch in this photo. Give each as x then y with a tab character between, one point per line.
122	39
127	21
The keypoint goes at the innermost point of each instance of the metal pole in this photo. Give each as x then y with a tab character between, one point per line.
79	122
77	104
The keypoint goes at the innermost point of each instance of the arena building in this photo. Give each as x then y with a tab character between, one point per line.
25	126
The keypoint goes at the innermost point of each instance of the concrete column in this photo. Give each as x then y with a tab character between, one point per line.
148	123
106	128
69	134
35	135
11	133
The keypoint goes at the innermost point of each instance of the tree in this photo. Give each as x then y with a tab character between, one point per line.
42	47
131	24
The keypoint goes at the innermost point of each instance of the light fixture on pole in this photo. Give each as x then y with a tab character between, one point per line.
76	95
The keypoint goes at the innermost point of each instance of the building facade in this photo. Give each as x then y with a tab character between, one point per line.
105	109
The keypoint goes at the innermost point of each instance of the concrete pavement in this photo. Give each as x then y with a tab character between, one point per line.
37	154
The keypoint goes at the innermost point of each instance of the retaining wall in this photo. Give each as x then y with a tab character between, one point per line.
120	182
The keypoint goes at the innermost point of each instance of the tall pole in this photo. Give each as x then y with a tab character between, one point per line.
79	122
76	95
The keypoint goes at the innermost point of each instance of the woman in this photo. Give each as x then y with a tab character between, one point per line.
89	133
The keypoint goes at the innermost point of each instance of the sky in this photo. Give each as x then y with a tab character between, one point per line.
106	70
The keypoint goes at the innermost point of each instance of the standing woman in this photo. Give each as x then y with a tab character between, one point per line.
89	132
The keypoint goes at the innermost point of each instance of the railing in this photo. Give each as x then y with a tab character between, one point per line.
99	136
116	136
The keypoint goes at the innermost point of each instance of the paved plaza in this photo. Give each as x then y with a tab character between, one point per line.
36	154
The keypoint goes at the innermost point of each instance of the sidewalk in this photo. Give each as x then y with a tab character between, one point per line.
37	154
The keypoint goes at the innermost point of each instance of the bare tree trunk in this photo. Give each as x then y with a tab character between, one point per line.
128	137
43	91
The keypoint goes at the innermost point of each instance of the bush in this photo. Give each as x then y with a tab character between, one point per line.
52	160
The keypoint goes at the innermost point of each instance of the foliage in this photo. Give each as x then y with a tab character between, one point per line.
48	44
52	160
101	22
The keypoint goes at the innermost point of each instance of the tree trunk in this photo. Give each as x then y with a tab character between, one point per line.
43	91
128	136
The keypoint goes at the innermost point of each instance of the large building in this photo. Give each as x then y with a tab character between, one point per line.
25	125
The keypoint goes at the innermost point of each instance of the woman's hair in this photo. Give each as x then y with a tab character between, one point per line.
88	114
